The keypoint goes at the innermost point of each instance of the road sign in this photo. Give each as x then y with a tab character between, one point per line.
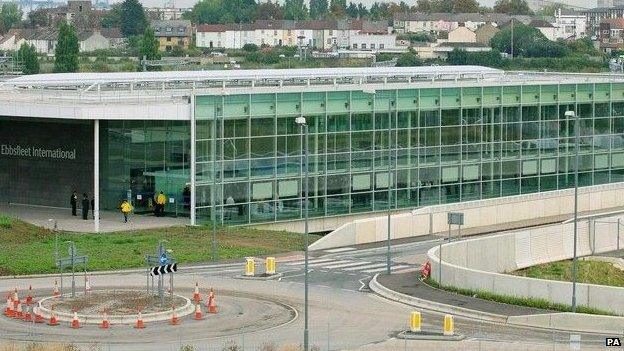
456	218
160	270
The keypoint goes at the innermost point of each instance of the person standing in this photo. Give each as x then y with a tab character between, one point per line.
73	200
160	201
85	206
126	208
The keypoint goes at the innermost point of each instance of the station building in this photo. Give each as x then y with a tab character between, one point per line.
224	145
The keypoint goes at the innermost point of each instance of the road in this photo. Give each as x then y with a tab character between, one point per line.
344	314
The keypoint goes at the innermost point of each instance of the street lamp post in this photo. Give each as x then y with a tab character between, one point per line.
388	257
301	121
576	167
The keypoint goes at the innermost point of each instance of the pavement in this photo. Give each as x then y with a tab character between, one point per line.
110	221
410	284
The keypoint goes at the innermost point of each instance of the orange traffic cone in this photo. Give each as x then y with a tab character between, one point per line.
212	305
39	318
105	323
53	321
15	296
75	324
27	315
17	314
139	323
55	290
174	316
196	294
8	310
30	296
198	313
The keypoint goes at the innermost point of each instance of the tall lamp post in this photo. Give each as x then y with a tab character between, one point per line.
301	121
572	114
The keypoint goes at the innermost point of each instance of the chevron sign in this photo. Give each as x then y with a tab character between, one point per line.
160	270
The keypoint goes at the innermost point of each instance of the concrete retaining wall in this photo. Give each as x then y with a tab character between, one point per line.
480	263
482	213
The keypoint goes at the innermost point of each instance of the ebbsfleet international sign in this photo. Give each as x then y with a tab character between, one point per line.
37	152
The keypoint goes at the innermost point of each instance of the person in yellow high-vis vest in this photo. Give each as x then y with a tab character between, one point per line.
161	199
126	208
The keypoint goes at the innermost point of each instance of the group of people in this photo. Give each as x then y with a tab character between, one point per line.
125	206
86	204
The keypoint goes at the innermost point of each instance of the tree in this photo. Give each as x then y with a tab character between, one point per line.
362	11
295	10
10	15
352	10
269	10
338	8
38	19
549	10
133	18
149	47
112	18
465	6
318	9
408	59
512	7
67	47
27	56
222	11
527	41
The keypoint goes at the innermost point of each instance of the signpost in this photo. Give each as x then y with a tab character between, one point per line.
160	264
72	261
453	218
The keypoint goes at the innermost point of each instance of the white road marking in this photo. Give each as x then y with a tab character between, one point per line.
346	265
315	260
363	285
383	269
333	262
373	265
342	249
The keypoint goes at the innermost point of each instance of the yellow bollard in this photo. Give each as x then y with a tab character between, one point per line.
270	265
449	326
415	322
250	267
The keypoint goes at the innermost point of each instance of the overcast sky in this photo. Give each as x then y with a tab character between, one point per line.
189	3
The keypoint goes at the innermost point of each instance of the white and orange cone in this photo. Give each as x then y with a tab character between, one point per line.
212	304
174	316
55	290
139	323
75	324
196	294
198	312
105	323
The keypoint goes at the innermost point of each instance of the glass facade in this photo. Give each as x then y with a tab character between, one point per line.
443	145
140	158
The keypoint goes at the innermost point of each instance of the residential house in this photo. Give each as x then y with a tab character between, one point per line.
544	27
569	24
173	33
485	33
45	39
596	15
97	39
462	35
446	22
611	34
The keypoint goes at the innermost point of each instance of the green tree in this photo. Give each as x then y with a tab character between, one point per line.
512	7
527	41
27	57
318	9
338	8
362	11
465	6
67	47
295	10
222	11
269	10
10	15
112	18
149	47
408	59
352	10
133	18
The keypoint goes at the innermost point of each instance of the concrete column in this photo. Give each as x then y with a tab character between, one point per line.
193	159
96	175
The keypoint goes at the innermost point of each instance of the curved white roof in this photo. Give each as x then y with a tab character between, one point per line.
256	74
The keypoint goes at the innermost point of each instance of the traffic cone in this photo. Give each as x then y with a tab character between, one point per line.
139	323
27	315
39	318
18	310
196	294
75	324
174	316
87	285
15	296
212	305
198	313
8	310
30	296
55	290
105	323
53	321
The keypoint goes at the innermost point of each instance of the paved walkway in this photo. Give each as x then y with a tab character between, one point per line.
409	284
110	221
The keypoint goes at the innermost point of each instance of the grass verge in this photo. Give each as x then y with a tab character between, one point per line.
519	301
590	272
28	249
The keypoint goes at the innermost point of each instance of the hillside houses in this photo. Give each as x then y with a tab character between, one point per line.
44	39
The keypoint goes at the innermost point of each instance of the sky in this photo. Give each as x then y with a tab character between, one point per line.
189	3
